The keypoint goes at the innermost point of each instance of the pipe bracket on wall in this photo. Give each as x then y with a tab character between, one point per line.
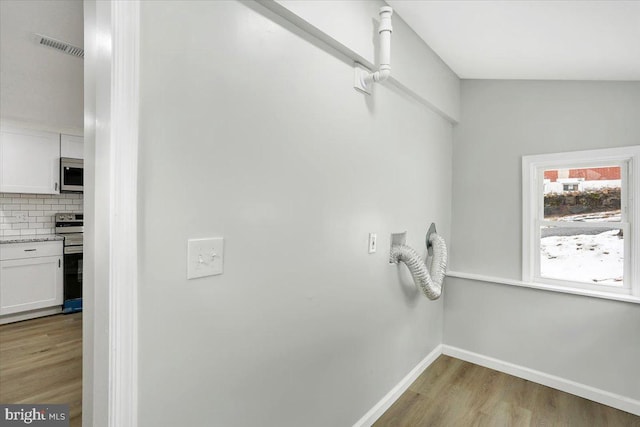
428	278
363	77
360	72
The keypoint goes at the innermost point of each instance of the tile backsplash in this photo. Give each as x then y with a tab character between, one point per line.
29	214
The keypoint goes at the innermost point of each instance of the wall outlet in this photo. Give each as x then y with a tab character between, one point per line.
372	242
205	257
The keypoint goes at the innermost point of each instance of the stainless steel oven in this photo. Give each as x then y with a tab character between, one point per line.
71	175
71	226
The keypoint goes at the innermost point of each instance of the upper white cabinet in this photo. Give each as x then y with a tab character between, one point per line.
29	161
72	146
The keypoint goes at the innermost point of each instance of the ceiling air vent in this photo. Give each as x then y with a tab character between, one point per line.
59	45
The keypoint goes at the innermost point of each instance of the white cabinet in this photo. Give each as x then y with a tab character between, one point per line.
71	146
29	161
31	277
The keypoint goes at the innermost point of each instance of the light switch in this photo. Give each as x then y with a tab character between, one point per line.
205	257
372	242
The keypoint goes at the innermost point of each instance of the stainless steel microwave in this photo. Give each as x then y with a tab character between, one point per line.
71	175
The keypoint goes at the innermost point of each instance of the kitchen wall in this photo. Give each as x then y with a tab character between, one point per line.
583	339
30	214
251	130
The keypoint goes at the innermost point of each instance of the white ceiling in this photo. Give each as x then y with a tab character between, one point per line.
559	40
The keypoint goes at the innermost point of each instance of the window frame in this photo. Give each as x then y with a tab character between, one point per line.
533	215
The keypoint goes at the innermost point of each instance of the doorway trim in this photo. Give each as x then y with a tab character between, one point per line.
110	378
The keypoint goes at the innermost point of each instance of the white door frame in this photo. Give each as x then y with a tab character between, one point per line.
111	100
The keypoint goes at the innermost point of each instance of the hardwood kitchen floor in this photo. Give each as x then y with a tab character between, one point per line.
41	362
453	393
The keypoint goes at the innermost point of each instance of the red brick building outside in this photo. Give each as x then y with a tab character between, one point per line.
588	174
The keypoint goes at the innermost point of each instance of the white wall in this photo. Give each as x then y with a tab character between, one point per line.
251	130
590	341
38	85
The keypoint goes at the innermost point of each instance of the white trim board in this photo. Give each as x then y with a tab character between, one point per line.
544	287
123	238
32	314
123	271
110	340
597	395
385	403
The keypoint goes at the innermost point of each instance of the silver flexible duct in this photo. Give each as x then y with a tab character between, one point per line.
429	280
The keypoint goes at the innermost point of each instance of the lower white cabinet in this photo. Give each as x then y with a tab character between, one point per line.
31	277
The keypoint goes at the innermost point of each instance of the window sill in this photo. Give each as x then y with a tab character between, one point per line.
566	290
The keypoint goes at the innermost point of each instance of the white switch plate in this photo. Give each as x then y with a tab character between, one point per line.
372	242
205	257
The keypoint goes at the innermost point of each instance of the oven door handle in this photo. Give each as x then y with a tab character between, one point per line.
68	250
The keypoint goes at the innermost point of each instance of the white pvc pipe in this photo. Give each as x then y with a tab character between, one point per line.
384	30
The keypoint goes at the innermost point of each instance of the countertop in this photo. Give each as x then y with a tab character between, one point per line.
30	239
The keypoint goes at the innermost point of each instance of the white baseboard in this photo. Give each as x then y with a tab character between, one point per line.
601	396
32	314
385	403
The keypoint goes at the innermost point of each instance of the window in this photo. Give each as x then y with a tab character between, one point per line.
579	212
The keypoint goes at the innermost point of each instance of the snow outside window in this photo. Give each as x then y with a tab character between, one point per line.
579	211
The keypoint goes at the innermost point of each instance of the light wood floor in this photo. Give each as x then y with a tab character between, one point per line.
41	362
454	393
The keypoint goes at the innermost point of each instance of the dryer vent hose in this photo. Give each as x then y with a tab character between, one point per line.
428	279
